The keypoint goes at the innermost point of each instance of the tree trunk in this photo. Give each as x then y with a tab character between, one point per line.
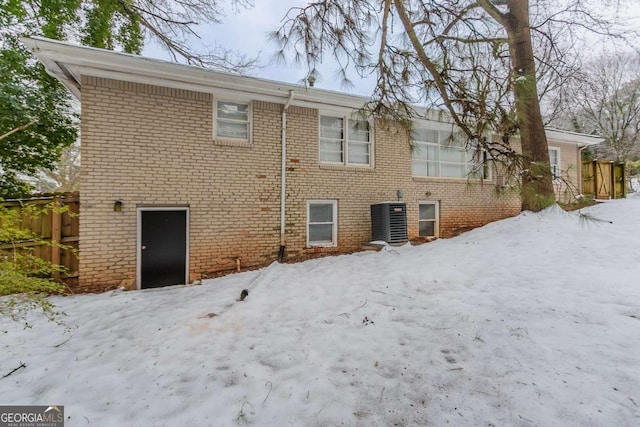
537	187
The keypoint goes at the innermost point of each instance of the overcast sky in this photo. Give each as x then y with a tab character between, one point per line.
246	32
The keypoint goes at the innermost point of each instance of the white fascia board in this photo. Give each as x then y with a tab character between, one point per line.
580	139
79	60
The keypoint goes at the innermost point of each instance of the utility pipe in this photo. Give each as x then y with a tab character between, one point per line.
283	177
580	189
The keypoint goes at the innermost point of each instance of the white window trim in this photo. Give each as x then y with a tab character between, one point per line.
345	144
334	237
436	226
217	138
557	176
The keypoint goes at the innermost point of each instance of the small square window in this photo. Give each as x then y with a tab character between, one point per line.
322	223
232	121
345	141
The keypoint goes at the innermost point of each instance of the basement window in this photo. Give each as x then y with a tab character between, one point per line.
322	225
428	219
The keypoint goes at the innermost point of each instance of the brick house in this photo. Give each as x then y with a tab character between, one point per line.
188	172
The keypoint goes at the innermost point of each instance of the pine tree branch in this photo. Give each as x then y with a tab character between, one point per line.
430	66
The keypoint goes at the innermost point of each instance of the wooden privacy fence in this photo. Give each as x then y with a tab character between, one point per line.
52	225
603	179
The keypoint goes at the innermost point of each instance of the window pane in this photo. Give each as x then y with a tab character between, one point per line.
453	155
330	150
474	155
427	228
475	171
331	145
451	170
321	212
233	129
331	133
554	160
424	135
233	111
331	156
425	151
427	211
358	130
432	169
422	168
432	152
419	168
320	233
359	153
331	127
359	159
448	139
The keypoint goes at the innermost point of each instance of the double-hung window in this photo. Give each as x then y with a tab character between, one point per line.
426	152
232	121
453	158
438	153
322	223
428	219
554	160
345	141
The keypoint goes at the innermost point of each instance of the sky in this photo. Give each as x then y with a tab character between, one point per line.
529	321
246	32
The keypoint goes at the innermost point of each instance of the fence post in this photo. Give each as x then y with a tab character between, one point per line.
56	234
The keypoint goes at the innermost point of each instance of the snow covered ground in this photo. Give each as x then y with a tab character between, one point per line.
530	321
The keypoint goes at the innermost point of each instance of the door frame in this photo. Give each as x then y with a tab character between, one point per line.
139	211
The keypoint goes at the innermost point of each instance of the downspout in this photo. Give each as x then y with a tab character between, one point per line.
580	184
283	178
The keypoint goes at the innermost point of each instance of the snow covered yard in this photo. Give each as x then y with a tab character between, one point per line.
531	321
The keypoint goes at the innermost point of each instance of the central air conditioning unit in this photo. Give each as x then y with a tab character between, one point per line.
389	222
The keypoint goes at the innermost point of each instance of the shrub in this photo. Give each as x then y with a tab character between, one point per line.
25	279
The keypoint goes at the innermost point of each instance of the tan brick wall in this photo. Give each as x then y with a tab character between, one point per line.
464	204
153	146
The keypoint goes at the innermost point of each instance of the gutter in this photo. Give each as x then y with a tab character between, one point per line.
283	178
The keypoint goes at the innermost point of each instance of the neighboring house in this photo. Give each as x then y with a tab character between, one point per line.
565	156
187	172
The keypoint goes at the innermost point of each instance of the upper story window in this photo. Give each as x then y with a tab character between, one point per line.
554	160
439	153
232	121
345	141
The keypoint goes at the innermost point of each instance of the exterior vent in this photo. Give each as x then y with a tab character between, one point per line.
389	222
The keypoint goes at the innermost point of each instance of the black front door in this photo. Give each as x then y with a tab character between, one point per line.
163	248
